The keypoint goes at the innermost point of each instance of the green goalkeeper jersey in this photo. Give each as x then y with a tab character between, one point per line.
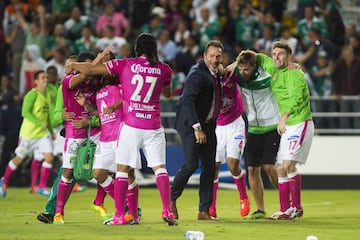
292	94
35	112
52	91
56	117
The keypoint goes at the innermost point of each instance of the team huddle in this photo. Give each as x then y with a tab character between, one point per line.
120	100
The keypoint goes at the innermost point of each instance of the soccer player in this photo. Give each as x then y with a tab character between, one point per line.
52	90
35	133
58	117
143	79
109	110
262	141
296	128
75	134
231	138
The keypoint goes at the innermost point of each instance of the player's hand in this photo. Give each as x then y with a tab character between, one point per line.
108	110
83	122
294	66
281	125
67	116
80	98
230	69
200	137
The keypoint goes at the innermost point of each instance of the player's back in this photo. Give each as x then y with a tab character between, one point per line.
142	87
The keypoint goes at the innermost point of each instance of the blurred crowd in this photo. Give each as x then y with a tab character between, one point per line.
39	34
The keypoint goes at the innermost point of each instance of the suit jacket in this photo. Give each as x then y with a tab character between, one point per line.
197	97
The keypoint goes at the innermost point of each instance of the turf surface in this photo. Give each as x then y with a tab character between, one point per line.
327	214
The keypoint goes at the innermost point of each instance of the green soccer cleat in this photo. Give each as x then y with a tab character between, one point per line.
101	210
256	215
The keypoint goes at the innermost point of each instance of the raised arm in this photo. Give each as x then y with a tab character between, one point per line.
88	68
20	18
42	18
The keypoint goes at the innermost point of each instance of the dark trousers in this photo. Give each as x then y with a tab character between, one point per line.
9	146
193	152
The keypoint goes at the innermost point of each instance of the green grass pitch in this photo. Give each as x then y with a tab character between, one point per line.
328	214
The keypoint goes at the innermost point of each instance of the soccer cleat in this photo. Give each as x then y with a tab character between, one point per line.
282	215
212	212
116	220
43	192
58	219
3	188
168	218
277	216
139	213
297	213
256	215
34	189
126	209
130	219
101	210
45	217
244	207
78	188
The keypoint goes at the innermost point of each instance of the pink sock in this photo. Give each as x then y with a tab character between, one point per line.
163	184
63	193
109	188
214	195
10	169
241	186
284	194
132	198
120	188
295	190
100	196
35	172
44	174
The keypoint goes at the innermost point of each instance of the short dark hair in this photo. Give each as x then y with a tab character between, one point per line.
73	57
84	56
37	74
51	68
214	43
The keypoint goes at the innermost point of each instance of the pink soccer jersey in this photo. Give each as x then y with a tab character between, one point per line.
142	85
232	105
71	105
110	123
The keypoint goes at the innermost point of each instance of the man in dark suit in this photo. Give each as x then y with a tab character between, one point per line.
195	122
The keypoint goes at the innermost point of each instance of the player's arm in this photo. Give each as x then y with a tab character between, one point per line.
166	92
112	108
88	68
94	68
281	125
101	56
81	100
59	106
